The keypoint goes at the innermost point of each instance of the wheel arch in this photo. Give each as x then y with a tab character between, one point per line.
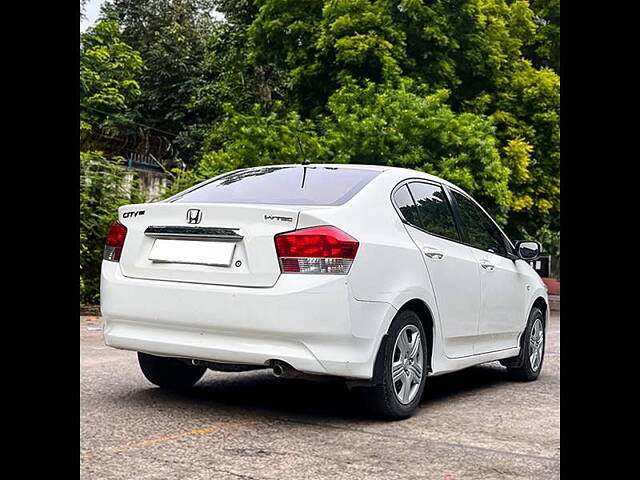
422	309
543	305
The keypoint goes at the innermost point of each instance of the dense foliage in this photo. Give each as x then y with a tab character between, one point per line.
108	71
103	188
465	89
491	56
108	86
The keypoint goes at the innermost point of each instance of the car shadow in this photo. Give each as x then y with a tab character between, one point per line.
261	394
472	379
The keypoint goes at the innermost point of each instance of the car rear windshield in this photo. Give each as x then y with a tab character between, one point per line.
287	185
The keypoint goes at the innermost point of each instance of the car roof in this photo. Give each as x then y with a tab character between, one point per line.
327	165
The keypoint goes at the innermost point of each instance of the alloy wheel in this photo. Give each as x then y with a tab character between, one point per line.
536	345
407	364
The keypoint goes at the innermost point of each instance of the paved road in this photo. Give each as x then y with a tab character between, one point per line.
474	424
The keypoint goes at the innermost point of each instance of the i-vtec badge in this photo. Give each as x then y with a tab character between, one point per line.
280	219
133	213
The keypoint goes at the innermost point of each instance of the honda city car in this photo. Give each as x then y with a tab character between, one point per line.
375	275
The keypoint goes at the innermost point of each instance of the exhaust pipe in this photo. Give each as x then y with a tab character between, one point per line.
279	369
284	370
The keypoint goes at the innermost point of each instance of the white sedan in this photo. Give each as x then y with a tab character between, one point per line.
380	276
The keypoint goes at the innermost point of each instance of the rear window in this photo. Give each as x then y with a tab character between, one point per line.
287	185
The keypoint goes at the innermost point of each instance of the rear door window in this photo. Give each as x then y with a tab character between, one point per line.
480	229
406	205
283	185
433	209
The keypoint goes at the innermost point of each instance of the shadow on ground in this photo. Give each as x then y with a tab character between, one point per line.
262	394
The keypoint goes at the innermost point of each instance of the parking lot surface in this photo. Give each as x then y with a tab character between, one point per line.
473	424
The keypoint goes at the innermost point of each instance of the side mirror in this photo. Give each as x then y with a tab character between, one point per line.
528	250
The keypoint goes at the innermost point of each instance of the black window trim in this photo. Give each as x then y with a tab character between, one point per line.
405	183
507	243
453	205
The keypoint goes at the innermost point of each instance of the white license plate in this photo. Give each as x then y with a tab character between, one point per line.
193	252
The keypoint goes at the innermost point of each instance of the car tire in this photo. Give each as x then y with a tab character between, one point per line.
527	365
168	372
384	398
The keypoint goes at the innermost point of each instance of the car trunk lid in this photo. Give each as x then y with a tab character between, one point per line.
220	244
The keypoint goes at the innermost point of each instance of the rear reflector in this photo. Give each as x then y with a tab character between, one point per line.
316	250
115	241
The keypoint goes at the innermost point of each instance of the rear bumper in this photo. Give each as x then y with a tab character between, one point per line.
311	322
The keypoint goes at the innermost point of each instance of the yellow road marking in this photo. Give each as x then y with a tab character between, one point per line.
146	443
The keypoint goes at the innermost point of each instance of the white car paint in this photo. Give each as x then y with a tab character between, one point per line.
317	323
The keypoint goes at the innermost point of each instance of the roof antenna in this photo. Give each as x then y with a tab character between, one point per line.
305	161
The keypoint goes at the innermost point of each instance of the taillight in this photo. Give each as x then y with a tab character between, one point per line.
115	241
316	250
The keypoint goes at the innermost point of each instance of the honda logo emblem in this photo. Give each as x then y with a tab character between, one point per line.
194	216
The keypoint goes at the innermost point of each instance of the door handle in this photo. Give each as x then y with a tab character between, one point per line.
486	264
433	253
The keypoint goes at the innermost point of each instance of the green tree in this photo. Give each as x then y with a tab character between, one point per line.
171	36
109	69
282	47
253	139
392	126
474	49
103	188
544	50
321	45
373	124
527	120
226	75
